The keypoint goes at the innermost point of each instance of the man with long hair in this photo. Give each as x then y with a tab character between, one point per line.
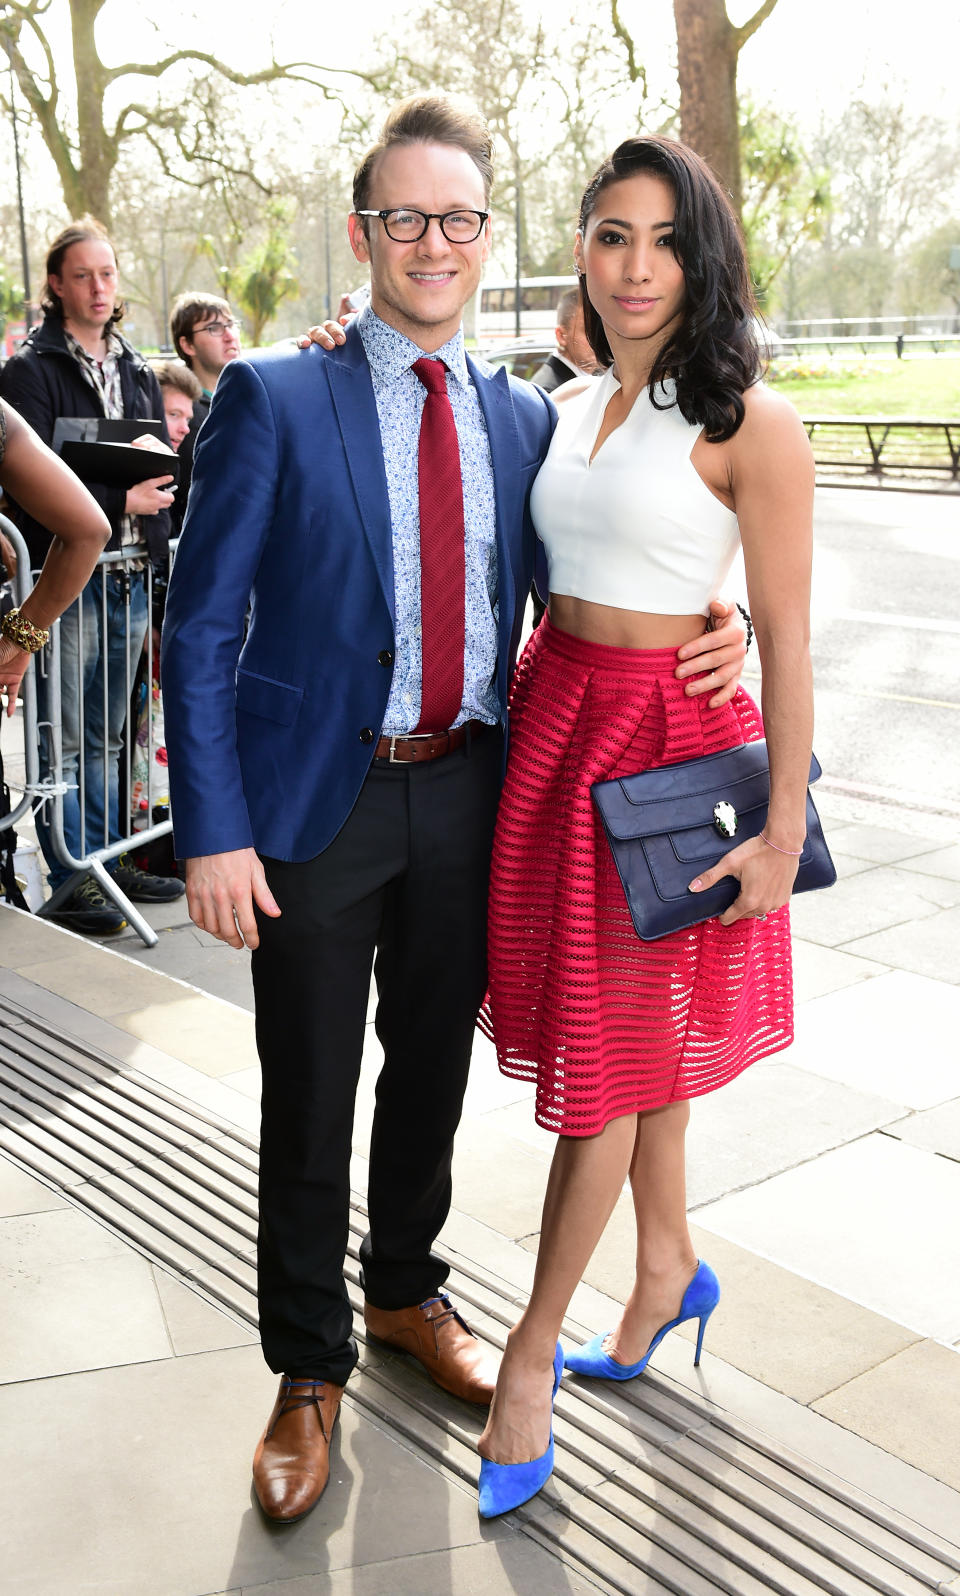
77	363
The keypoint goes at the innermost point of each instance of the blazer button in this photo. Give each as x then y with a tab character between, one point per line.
384	657
366	736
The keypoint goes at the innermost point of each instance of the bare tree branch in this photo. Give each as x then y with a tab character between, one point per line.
747	29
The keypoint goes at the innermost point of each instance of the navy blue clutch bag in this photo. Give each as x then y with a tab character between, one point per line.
664	826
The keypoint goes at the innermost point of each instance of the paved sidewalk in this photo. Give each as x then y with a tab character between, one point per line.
824	1188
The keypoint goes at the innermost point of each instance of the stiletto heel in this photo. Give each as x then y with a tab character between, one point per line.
699	1301
504	1486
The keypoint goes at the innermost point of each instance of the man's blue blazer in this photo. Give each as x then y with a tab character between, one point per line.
269	739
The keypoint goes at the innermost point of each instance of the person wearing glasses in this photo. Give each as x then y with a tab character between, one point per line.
206	335
334	780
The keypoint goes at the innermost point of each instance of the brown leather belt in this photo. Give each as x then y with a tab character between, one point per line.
428	745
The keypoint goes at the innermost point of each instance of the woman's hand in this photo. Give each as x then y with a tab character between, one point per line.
766	878
328	336
720	653
13	665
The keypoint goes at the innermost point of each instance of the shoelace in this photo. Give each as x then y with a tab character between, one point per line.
448	1312
289	1402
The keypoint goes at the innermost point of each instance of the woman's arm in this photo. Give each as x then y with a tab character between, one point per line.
50	492
771	478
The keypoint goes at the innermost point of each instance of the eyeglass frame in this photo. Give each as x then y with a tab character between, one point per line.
218	328
428	217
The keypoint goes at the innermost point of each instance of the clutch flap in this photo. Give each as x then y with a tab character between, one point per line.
683	796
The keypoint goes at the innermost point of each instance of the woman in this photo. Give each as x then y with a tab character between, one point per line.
54	496
679	440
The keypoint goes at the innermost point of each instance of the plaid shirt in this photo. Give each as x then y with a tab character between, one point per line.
104	378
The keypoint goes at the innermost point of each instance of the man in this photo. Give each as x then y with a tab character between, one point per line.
76	363
573	356
334	791
180	391
206	336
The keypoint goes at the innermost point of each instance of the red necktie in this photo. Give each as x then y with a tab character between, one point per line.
442	573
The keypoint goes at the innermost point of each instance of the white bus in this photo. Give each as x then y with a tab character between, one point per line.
496	309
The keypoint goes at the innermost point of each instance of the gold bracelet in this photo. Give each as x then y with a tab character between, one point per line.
22	632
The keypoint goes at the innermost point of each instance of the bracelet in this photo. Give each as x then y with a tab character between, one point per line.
788	851
749	625
19	630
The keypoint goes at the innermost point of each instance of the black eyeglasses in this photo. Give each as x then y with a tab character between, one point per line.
218	328
405	226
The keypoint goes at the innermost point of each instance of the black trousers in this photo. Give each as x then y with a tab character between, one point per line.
402	889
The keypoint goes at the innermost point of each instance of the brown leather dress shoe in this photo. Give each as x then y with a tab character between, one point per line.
291	1465
434	1333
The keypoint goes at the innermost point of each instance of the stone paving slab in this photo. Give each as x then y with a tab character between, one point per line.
936	1129
910	1403
874	901
929	946
129	1480
895	1035
509	1567
875	1221
74	1298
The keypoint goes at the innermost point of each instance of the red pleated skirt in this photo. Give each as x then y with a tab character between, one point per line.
605	1023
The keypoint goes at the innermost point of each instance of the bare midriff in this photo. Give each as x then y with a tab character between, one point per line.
603	623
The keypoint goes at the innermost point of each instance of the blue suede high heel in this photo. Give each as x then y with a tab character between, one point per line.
699	1301
504	1486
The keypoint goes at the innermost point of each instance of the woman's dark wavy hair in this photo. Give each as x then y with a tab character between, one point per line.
713	356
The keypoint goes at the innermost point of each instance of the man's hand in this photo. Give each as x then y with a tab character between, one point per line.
150	497
221	891
720	653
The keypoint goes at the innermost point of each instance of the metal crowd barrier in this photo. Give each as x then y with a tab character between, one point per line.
47	791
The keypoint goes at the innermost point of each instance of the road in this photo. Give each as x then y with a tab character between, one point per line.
886	645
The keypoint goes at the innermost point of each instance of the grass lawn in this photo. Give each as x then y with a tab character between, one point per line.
922	386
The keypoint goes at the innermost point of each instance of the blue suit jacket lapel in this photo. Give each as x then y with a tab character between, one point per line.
497	406
356	410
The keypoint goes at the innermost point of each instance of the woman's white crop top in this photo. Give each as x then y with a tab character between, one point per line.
638	528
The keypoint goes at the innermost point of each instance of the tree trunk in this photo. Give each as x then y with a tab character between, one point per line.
98	152
707	50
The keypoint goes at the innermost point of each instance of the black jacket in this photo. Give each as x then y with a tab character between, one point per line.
201	410
43	381
553	372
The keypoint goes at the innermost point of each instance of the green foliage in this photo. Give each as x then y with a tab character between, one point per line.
786	198
11	301
262	280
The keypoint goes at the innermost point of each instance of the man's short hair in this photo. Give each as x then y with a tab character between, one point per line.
80	232
567	306
428	119
175	374
189	309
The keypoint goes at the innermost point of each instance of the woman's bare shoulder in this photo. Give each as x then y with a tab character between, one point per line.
768	414
571	389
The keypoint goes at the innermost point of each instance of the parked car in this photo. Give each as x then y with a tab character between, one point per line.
521	360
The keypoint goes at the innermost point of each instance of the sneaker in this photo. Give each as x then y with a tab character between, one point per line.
88	911
141	887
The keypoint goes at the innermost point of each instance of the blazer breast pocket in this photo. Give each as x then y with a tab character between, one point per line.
260	695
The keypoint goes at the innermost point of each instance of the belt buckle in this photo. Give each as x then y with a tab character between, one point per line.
392	755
